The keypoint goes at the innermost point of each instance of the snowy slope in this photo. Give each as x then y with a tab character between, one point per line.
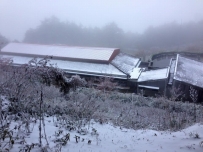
116	139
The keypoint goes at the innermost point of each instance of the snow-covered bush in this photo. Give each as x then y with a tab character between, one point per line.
135	111
25	88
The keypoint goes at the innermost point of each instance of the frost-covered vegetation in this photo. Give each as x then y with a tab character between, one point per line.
31	93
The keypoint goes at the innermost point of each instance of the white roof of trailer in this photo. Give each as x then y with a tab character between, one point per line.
154	75
189	71
83	53
76	67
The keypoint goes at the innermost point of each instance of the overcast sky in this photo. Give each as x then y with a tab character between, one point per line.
17	16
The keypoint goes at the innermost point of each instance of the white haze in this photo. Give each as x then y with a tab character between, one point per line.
17	16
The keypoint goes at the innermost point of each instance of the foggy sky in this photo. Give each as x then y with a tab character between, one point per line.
17	16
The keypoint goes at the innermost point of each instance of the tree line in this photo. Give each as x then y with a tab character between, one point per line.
167	37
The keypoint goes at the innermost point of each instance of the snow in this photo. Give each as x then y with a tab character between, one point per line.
135	73
154	75
125	63
116	139
88	53
189	71
76	67
107	137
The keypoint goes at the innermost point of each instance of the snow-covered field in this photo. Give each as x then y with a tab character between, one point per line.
108	138
93	136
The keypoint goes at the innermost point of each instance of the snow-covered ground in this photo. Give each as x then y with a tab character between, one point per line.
108	138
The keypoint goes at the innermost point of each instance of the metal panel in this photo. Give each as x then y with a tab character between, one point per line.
148	87
171	71
154	75
125	63
189	71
